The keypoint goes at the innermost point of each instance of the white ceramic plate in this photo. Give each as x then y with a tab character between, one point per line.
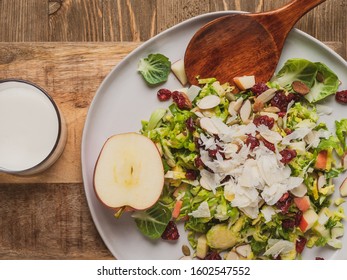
123	100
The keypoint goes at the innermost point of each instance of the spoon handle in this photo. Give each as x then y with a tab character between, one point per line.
279	22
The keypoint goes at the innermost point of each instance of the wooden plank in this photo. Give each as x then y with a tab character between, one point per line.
23	20
169	13
76	21
71	73
129	20
237	5
47	222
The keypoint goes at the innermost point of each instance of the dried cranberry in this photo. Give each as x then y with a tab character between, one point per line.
298	217
190	124
181	100
288	224
213	256
341	96
259	88
287	155
252	141
281	100
191	174
198	162
269	145
170	232
300	244
264	120
164	94
281	114
212	152
284	203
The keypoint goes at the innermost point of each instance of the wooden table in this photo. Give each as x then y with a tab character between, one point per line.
67	47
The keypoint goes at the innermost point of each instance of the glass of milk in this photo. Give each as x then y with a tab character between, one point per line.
32	129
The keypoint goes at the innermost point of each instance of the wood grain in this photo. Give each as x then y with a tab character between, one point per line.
47	222
71	73
23	20
129	20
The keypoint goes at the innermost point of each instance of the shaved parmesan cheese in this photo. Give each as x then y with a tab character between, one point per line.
278	246
299	133
203	211
267	212
323	109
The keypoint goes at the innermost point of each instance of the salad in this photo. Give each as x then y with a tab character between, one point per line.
250	169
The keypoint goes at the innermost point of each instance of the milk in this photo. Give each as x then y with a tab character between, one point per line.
30	128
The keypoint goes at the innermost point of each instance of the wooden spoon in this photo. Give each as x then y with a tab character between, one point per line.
243	44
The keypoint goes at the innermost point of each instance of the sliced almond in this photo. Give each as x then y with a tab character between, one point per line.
209	102
271	115
272	109
238	103
266	95
231	108
245	111
300	87
320	77
207	125
244	250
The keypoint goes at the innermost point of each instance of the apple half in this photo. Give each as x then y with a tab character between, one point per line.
129	172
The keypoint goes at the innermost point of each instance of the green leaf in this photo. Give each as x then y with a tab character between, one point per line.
341	131
297	69
327	87
152	222
155	68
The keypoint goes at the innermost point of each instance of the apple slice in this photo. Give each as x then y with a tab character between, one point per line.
178	69
129	172
303	203
309	218
244	82
322	160
343	188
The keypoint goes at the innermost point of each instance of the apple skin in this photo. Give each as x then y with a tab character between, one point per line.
126	146
303	203
322	159
309	218
244	82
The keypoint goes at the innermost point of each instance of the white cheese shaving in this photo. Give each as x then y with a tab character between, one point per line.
299	133
323	109
278	246
203	211
267	212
